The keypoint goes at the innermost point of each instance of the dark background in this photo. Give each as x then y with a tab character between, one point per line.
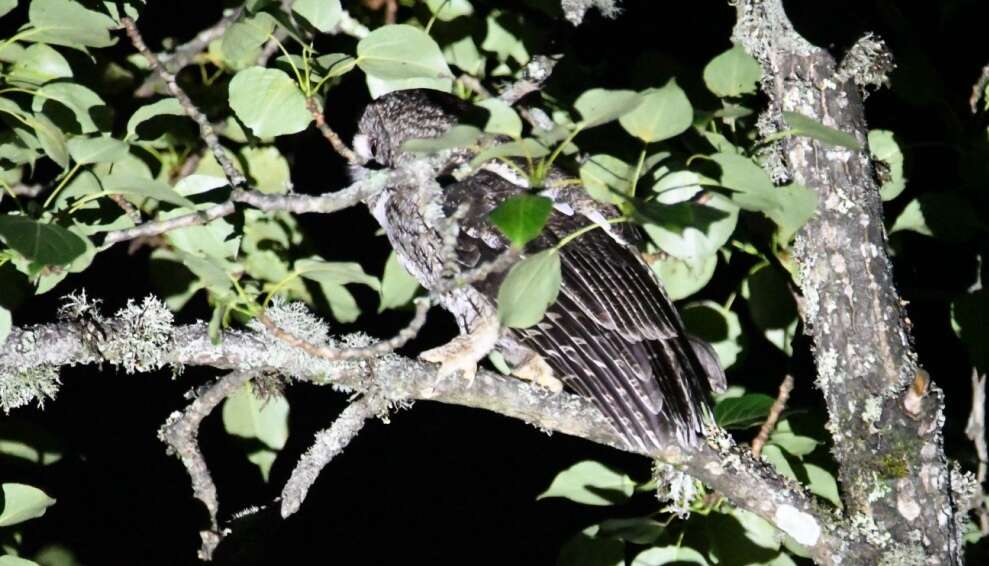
447	485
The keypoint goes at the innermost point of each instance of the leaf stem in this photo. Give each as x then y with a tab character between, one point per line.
62	183
578	233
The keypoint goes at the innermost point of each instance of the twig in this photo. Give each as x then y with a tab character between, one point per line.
296	203
774	414
127	207
313	105
180	432
185	53
327	445
535	73
975	430
206	131
978	89
360	353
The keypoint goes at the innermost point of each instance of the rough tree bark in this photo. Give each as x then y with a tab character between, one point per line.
885	415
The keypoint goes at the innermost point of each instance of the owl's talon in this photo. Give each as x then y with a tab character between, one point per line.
461	354
536	370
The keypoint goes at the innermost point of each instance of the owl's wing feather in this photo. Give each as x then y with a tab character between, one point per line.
612	335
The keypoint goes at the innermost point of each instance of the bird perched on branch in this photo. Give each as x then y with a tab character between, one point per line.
611	335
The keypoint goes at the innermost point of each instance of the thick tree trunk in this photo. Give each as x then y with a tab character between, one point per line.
884	414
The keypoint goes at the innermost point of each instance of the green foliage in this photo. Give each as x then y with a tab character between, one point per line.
662	114
521	218
733	73
22	503
801	125
262	422
45	244
268	102
590	483
529	289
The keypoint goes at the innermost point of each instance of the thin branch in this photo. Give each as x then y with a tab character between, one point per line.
535	73
317	113
327	445
975	430
187	52
296	203
180	432
978	90
206	131
774	415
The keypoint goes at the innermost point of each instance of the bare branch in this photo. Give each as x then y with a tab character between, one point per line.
181	431
534	75
206	131
975	430
296	203
313	105
327	445
774	414
187	52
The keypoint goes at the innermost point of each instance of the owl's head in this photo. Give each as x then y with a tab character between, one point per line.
392	119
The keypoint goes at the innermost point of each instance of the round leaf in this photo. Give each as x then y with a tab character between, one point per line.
600	106
529	289
732	73
48	244
663	114
401	52
447	10
591	483
268	102
323	15
716	325
164	107
65	22
397	286
39	64
683	278
503	120
883	147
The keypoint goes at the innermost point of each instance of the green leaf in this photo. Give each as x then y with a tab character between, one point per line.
586	550
682	278
664	113
600	106
883	147
39	64
6	6
527	147
739	413
47	244
339	273
6	324
801	125
447	10
196	184
164	107
266	421
132	185
606	178
84	104
822	483
522	218
323	15
637	530
103	149
22	503
65	22
401	52
771	305
52	139
753	189
796	204
213	275
688	229
669	555
243	41
590	483
529	289
503	41
335	64
796	444
268	102
457	136
503	119
732	73
716	325
379	87
9	560
397	286
268	168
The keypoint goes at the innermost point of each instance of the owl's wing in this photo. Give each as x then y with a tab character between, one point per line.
612	336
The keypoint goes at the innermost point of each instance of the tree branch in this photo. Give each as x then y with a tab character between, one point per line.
885	417
142	338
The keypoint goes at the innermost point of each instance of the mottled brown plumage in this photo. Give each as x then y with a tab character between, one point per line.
612	336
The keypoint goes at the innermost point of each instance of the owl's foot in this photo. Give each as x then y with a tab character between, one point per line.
536	370
461	354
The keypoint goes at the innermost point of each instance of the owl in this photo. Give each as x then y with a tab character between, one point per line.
612	335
